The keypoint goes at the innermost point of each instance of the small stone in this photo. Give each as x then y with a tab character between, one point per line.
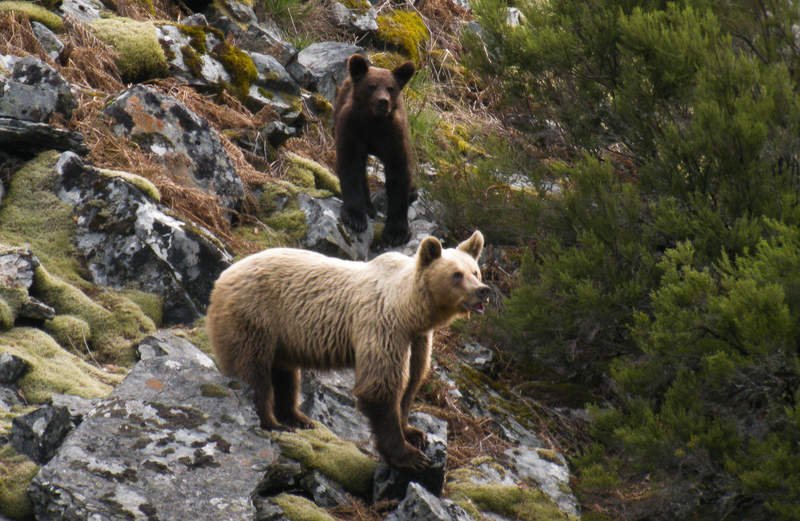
284	474
326	234
78	406
39	434
48	40
477	356
322	66
36	310
167	343
420	505
12	368
325	492
197	19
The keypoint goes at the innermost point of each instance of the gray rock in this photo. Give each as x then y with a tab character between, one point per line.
35	309
242	14
361	20
326	233
263	38
281	475
423	219
266	510
211	72
17	266
477	356
30	137
78	406
173	441
185	143
420	505
31	90
272	75
514	17
12	368
48	39
128	240
322	66
39	434
8	400
327	397
83	11
325	492
278	132
391	483
551	473
167	343
197	19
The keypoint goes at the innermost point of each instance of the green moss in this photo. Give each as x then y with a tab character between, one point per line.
387	59
522	503
35	12
299	508
197	36
307	173
239	66
7	315
406	31
549	455
320	449
140	56
69	331
150	304
32	214
53	369
16	473
112	334
136	180
291	223
321	106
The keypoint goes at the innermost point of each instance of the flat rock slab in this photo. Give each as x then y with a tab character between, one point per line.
173	441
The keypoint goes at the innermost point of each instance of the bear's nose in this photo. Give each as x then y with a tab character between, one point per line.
383	105
483	293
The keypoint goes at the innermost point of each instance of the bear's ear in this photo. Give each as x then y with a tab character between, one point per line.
473	245
403	73
357	66
429	250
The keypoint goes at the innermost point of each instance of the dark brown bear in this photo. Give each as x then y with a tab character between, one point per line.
370	118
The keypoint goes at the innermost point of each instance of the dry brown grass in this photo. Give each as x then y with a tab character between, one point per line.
356	510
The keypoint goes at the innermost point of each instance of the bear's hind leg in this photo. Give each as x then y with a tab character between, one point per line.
260	379
286	383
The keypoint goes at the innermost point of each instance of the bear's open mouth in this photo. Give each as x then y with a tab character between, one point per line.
477	307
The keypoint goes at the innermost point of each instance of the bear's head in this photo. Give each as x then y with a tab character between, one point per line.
375	88
452	276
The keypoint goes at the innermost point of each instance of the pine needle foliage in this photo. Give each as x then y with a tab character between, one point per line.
667	280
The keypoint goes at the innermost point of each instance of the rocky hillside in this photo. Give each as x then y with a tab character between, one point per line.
144	145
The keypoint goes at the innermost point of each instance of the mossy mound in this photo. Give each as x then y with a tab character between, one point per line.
467	487
69	331
404	30
138	181
53	369
35	12
16	473
7	315
299	508
387	59
112	333
140	56
320	449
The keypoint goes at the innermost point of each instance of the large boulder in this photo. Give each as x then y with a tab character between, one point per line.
17	266
127	239
185	143
326	233
171	442
322	66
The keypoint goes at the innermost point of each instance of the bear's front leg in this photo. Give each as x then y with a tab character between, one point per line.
351	165
418	369
384	419
398	186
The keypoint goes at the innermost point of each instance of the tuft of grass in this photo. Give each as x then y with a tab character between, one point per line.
140	56
35	12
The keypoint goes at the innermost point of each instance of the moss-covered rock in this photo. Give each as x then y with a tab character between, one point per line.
320	449
307	173
16	472
138	181
140	56
53	369
7	315
387	59
239	66
35	12
299	508
404	30
468	488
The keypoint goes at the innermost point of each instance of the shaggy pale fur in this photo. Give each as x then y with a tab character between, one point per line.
284	309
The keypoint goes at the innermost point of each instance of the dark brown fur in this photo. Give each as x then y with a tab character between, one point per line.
370	118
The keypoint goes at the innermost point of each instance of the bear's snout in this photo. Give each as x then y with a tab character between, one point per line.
382	106
483	293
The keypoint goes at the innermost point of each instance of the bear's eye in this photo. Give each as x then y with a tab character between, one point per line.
475	274
372	87
458	275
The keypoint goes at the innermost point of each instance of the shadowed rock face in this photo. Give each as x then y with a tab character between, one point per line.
184	142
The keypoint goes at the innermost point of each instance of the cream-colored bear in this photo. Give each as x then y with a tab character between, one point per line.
283	309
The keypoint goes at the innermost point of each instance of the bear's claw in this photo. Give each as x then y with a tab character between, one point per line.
355	220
